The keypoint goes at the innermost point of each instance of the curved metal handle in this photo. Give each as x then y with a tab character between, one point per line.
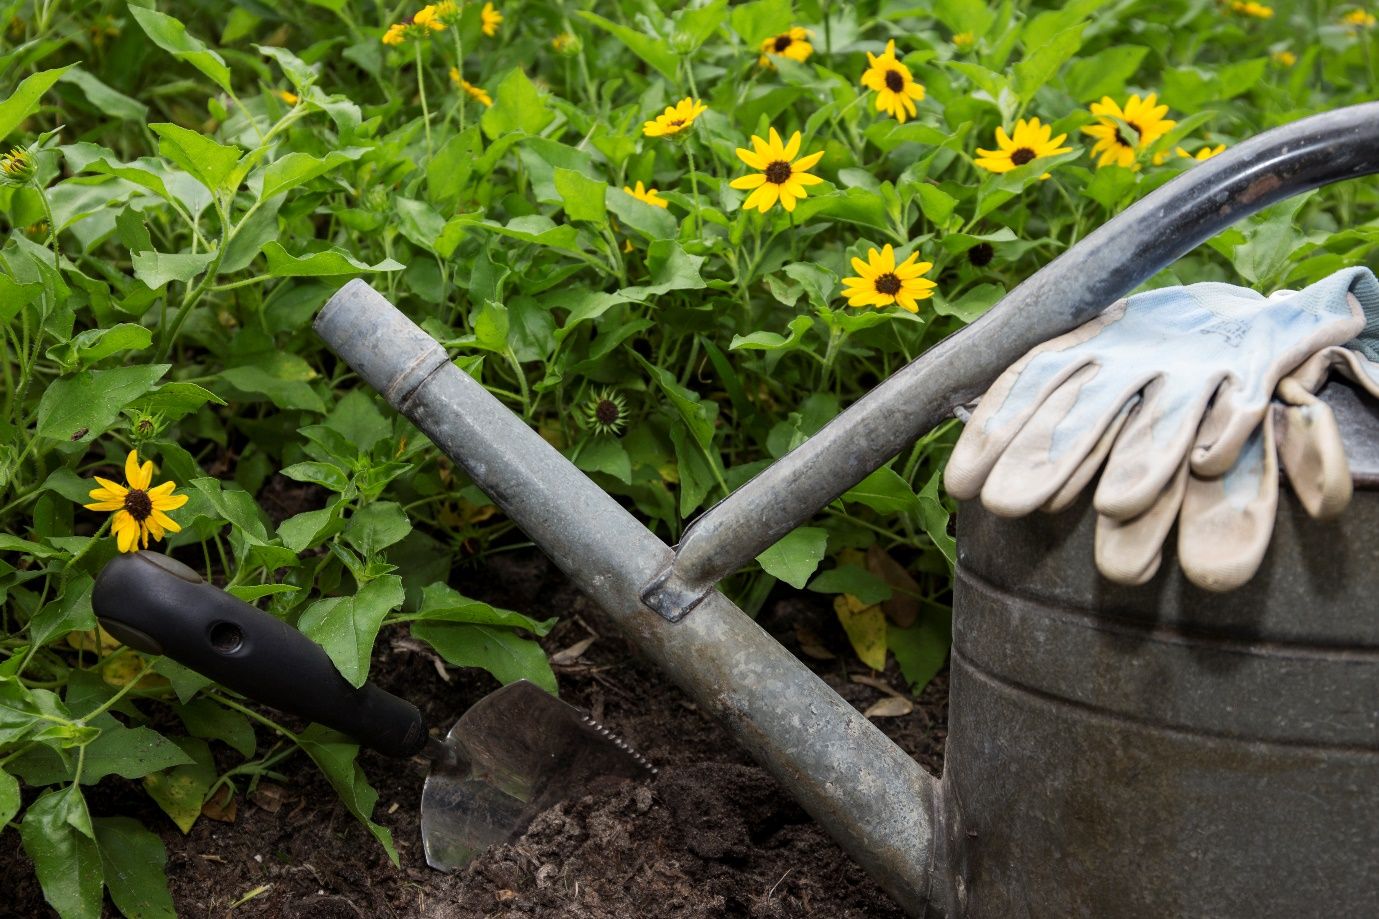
1109	263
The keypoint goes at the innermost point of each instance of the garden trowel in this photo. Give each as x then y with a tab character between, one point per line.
514	753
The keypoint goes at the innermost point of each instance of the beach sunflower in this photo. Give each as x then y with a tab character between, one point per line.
288	97
780	176
676	118
1360	19
642	193
881	282
17	167
1257	10
1122	134
895	87
1029	141
140	511
477	93
421	25
1204	153
491	19
964	40
793	44
1284	58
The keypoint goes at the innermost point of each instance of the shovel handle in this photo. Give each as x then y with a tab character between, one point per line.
158	605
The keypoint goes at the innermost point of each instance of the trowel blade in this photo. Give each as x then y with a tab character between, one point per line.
515	752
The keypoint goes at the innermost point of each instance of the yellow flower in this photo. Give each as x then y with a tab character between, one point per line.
1029	141
17	167
1359	18
1205	153
1284	58
564	43
964	39
1144	120
1257	10
447	11
492	19
675	118
139	510
881	281
474	92
793	44
284	95
428	17
896	90
781	176
396	34
642	193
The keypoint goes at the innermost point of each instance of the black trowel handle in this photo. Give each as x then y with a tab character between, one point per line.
158	605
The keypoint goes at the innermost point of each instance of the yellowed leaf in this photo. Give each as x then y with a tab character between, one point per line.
890	707
865	627
119	671
222	806
903	605
86	641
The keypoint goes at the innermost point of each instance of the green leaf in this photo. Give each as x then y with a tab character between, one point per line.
583	197
698	414
309	529
936	203
177	400
442	603
770	341
79	408
210	163
130	753
180	791
97	344
974	302
282	376
671	268
25	98
757	21
347	626
651	221
697	473
134	862
327	475
376	526
502	652
605	454
158	268
58	837
922	649
1044	60
109	101
865	626
335	756
329	263
517	106
855	580
1104	73
171	35
299	168
884	491
236	507
795	557
9	797
212	721
974	16
653	50
853	205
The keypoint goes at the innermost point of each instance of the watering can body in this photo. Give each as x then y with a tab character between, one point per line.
1162	750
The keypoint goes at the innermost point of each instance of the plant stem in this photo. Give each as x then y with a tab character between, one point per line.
694	186
421	89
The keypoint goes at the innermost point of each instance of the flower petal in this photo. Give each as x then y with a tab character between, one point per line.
751	180
169	502
751	159
806	163
793	148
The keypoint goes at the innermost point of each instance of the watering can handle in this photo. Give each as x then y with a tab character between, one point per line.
1104	266
158	605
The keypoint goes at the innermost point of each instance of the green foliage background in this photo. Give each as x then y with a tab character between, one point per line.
208	174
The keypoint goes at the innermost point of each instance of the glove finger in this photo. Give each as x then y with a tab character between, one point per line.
1356	367
1129	551
1012	399
1061	499
1230	421
1313	457
1054	442
1146	455
1227	521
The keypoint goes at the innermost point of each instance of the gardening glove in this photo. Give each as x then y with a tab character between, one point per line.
1181	374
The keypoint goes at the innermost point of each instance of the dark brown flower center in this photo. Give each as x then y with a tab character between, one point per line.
138	504
888	284
607	411
677	122
980	254
783	42
895	81
1022	156
1120	137
778	173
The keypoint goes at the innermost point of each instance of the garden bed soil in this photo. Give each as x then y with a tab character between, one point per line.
712	835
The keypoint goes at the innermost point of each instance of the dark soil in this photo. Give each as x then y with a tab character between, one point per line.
713	835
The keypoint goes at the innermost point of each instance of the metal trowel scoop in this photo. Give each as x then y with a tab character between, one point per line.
514	753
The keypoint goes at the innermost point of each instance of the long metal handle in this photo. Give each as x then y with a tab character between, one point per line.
1106	265
876	801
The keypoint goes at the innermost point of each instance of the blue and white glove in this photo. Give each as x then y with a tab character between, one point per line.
1171	389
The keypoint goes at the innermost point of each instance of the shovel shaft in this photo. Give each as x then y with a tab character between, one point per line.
158	605
1103	267
876	801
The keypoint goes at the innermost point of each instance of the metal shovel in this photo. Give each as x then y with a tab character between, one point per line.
514	753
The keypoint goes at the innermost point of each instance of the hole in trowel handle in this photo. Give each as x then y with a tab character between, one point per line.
226	637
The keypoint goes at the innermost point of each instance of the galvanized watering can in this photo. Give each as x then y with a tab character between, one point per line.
1149	751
